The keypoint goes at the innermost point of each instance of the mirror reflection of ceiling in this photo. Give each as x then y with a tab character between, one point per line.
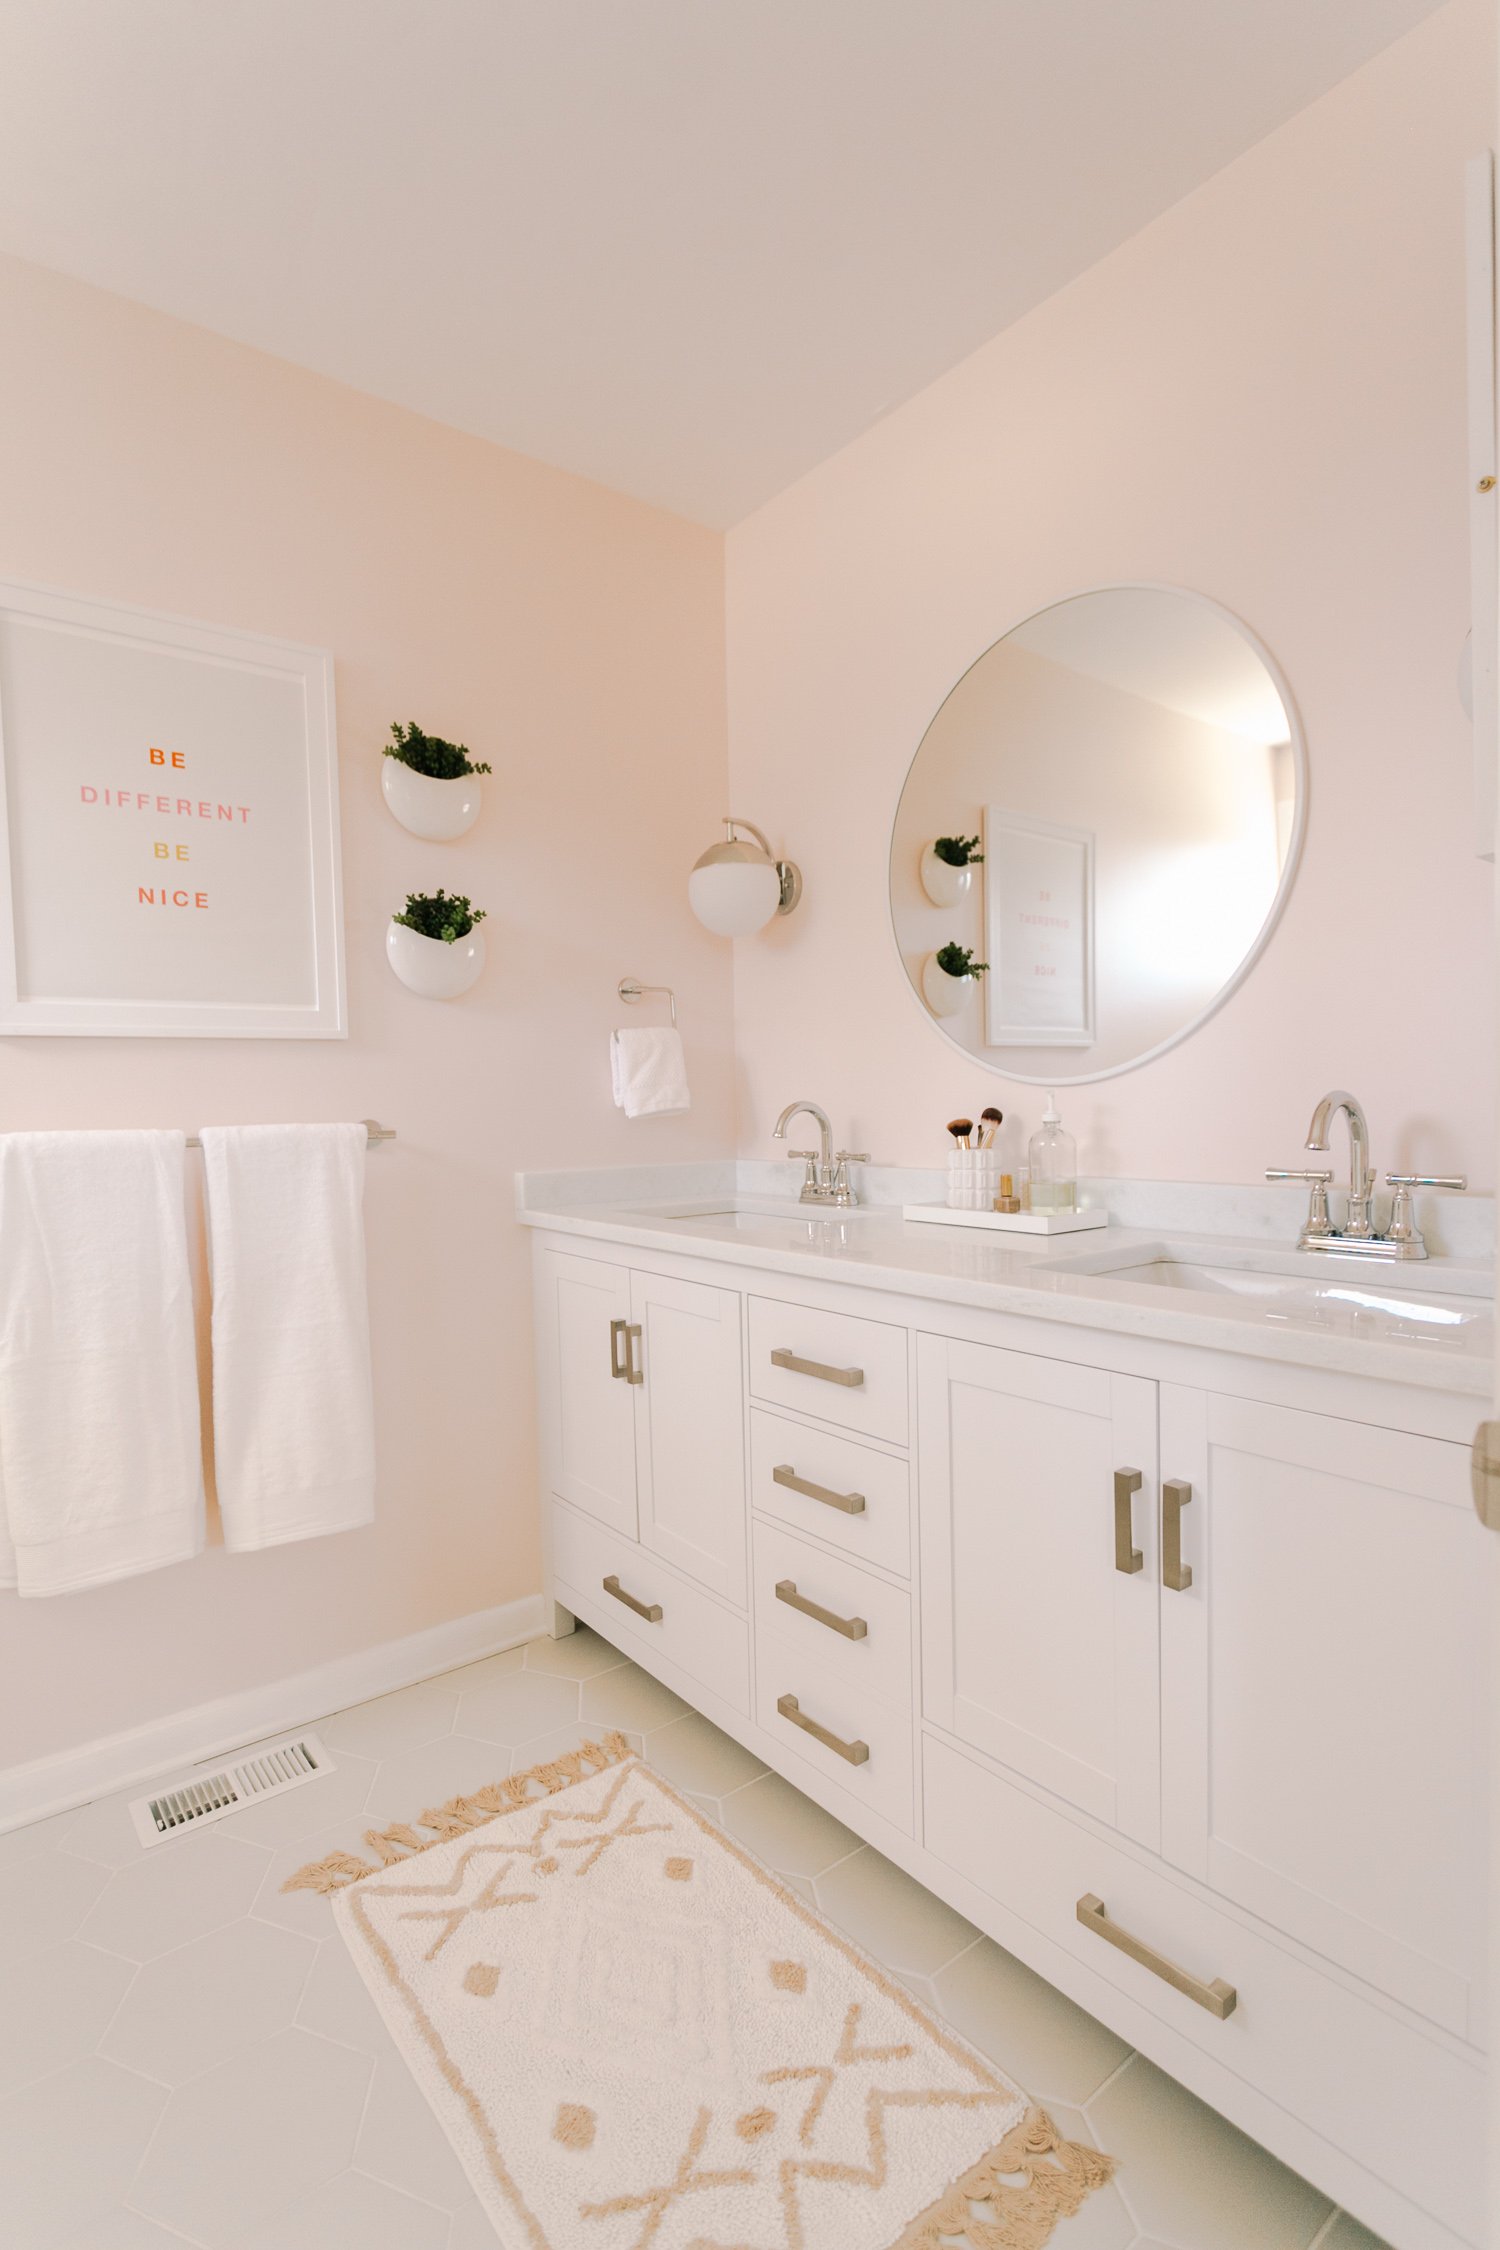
1132	784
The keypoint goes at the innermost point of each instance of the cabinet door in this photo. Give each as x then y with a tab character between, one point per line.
1039	1640
689	1429
587	1404
1323	1684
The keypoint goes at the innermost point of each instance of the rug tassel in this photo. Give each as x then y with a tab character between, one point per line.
1024	2186
401	1841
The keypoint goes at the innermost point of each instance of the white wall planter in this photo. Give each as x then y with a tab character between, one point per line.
945	995
430	965
944	884
433	809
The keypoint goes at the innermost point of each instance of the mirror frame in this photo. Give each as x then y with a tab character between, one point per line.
1273	913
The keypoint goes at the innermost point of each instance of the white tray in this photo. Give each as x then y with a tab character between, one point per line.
1006	1222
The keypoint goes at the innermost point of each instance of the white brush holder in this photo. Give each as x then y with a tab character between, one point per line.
973	1179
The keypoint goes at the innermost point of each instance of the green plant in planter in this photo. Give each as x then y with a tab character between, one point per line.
434	914
429	754
959	961
959	851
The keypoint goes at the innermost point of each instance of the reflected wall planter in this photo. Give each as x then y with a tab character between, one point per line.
435	810
945	995
944	883
429	965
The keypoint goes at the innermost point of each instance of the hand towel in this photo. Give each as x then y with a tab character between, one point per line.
294	1425
101	1466
649	1071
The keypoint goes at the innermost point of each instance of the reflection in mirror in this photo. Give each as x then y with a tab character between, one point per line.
1096	835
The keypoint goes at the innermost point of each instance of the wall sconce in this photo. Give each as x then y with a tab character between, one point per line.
736	887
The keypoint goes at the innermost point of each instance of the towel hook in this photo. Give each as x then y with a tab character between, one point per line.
631	989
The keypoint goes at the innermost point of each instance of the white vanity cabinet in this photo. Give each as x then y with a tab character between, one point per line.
1162	1663
1323	1659
1039	1572
641	1389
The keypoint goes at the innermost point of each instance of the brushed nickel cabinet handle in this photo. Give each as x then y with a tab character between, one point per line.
1128	1556
852	1378
848	1503
852	1628
1176	1492
651	1611
1218	1998
619	1368
634	1373
857	1753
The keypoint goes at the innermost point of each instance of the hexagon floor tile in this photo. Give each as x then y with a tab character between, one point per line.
192	2009
69	2146
1056	2050
55	2006
519	1708
253	2137
578	1656
190	2061
44	1899
181	1890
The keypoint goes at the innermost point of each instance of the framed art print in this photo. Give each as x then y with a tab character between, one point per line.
1039	932
169	838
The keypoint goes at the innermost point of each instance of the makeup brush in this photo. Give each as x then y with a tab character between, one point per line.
961	1128
991	1121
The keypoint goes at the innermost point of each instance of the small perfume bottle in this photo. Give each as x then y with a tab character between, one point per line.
1053	1163
1007	1200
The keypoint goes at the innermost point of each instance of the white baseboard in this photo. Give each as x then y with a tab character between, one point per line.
207	1730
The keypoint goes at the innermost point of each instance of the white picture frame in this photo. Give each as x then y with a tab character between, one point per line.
1039	931
169	827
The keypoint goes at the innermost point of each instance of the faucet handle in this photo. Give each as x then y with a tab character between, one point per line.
851	1156
1319	1225
1458	1180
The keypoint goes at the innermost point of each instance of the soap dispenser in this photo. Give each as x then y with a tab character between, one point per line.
1053	1158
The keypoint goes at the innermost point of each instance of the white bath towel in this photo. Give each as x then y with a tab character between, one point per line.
101	1469
649	1071
294	1429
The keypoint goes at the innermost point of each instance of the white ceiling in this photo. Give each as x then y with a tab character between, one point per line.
1171	648
688	247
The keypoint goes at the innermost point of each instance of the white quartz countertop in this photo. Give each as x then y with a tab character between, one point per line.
1427	1323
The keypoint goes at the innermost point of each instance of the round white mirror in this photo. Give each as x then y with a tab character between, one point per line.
1097	834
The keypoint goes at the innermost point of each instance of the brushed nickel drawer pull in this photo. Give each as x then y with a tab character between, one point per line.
1176	1492
857	1753
634	1372
852	1378
1128	1556
1218	1998
619	1368
651	1611
848	1503
852	1628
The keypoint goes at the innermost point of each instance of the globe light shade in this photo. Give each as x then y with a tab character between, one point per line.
736	888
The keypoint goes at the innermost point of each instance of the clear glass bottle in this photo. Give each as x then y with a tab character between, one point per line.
1052	1156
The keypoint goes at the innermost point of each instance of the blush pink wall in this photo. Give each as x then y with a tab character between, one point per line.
573	637
1261	397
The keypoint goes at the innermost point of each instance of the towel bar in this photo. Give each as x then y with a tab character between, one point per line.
375	1131
631	988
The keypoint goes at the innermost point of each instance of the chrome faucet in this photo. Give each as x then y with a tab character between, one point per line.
826	1179
1358	1225
1403	1237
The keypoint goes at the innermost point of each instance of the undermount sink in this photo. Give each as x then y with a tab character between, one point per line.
1414	1301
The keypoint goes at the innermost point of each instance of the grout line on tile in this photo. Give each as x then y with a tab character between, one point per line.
1104	2084
1326	2229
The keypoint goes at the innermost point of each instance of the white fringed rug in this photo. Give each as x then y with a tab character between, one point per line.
636	2038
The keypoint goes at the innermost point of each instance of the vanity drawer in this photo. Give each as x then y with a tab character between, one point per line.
842	1369
842	1474
846	1710
1400	2103
693	1630
878	1658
